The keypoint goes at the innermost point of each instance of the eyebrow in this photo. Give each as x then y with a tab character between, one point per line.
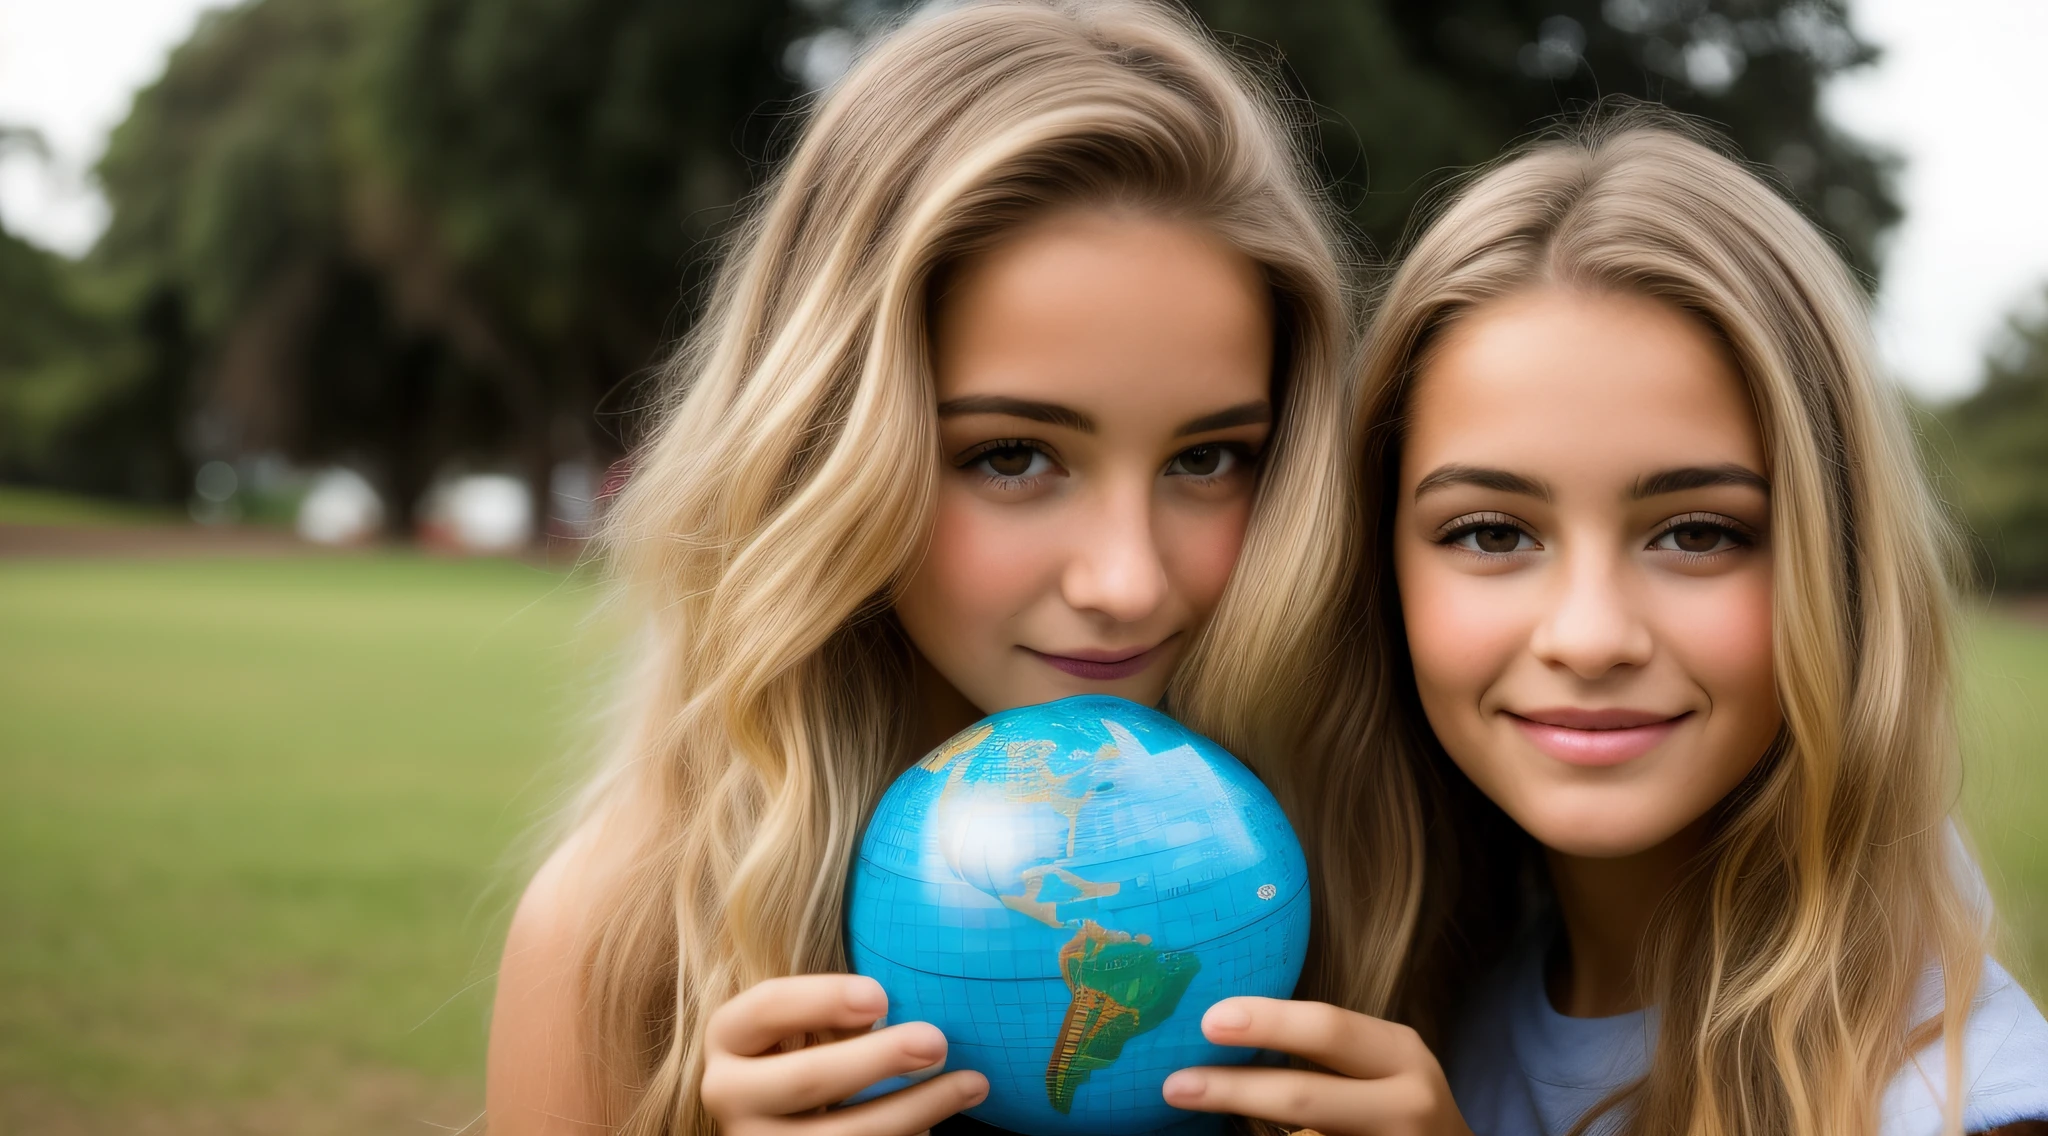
1499	480
1256	413
1698	477
1047	412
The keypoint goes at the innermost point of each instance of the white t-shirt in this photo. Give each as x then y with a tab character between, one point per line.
1517	1067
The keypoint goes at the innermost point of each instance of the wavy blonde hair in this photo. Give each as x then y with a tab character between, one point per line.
788	488
1786	965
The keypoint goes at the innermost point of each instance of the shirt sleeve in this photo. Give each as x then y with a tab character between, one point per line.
2005	1066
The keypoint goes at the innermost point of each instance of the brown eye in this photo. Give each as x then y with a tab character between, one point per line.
1701	538
1009	461
1491	535
1497	539
1199	461
1696	538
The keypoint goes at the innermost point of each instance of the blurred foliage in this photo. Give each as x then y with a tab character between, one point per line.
413	233
410	234
233	184
545	173
1411	91
78	406
1993	445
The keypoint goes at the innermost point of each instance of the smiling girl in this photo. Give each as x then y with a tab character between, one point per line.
1021	383
1670	593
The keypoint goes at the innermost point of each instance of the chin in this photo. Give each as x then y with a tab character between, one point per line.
1598	846
1590	830
1142	693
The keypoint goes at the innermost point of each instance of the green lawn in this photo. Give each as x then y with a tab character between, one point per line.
2004	707
262	821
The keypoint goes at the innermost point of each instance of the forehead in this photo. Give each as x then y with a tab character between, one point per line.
1582	385
1105	308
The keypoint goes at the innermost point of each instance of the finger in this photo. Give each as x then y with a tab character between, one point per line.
1339	1040
763	1015
784	1083
1297	1098
915	1109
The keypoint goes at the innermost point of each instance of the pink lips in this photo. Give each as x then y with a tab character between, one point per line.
1101	666
1595	737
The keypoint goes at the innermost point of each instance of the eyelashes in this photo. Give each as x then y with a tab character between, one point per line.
1702	534
1487	534
1692	535
1020	463
1009	463
1212	461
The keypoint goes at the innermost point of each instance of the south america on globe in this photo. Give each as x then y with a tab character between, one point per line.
1064	890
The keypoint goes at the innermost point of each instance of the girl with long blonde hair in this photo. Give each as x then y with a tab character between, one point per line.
1022	380
1656	613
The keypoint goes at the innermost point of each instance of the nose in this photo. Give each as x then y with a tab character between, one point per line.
1113	564
1592	626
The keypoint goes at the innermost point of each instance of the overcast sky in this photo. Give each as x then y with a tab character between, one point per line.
1960	94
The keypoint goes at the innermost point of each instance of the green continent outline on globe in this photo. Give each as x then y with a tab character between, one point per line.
1122	986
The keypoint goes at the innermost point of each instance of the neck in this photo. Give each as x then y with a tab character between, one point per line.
1607	904
937	709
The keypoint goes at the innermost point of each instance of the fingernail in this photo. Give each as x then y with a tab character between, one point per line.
864	996
925	1046
1225	1016
1183	1086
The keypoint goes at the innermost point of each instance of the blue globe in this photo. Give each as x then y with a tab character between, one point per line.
1064	890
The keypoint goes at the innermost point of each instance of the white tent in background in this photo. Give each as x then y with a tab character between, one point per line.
340	508
478	512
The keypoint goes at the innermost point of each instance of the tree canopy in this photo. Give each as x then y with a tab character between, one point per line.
1410	93
1992	448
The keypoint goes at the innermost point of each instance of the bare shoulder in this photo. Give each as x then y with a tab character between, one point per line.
538	1080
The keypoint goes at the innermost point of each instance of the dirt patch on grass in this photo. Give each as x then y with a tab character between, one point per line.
174	541
145	541
365	1102
2026	609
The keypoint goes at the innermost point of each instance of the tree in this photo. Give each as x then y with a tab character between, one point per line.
410	233
238	187
552	173
1994	447
1409	92
79	406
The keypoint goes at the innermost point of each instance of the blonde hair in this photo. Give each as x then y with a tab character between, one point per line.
788	489
1785	967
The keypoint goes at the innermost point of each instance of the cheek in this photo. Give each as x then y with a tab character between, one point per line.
1462	630
1723	638
1199	550
978	569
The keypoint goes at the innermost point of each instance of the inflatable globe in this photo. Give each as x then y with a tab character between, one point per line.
1064	890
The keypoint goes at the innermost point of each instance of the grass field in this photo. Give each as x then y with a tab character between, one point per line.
262	821
2004	710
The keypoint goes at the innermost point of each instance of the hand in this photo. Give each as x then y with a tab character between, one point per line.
751	1088
1381	1079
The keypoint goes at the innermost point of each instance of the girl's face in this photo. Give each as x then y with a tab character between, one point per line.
1582	543
1103	394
